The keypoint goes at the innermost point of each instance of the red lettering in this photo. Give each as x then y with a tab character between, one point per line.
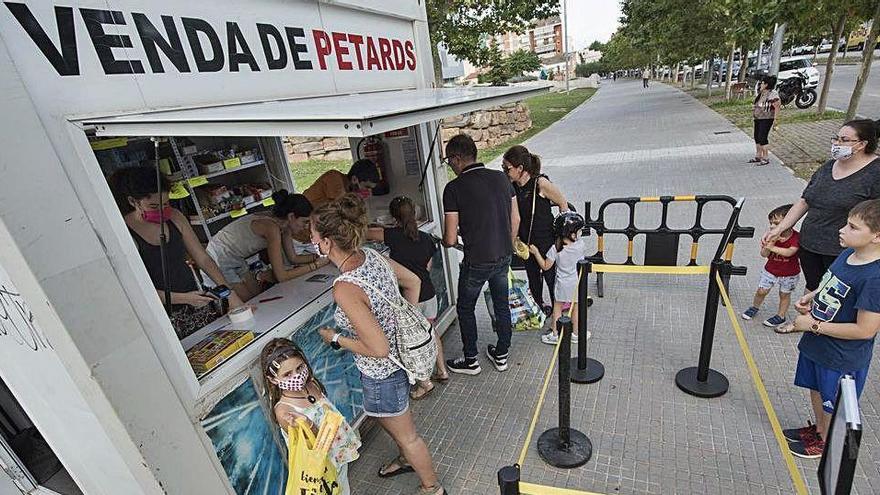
372	55
322	47
357	40
399	62
410	55
341	50
385	51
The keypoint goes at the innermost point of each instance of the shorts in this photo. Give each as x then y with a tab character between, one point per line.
429	308
387	397
762	131
814	376
787	285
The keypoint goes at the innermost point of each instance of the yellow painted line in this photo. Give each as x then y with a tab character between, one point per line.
533	489
684	198
650	199
793	471
659	270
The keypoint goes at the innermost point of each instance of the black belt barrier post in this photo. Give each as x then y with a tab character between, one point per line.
585	370
563	446
508	480
703	381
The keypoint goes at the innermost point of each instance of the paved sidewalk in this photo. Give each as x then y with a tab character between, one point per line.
648	436
804	147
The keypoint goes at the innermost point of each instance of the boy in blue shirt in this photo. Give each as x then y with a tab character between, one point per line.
839	321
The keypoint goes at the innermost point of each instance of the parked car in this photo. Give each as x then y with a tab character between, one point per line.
788	66
803	50
825	45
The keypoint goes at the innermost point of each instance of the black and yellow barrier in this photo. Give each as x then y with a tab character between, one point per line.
661	243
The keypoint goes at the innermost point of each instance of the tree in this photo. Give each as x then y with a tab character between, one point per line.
466	26
503	69
867	58
597	46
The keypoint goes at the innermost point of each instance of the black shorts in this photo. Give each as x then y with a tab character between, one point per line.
762	130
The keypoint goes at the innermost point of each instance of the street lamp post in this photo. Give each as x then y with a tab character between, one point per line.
565	41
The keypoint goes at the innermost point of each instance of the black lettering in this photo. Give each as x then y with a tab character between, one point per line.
296	48
66	63
152	38
269	31
193	27
234	41
105	43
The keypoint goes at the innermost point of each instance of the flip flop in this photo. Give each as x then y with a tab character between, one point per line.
754	160
416	396
439	378
785	328
402	467
763	162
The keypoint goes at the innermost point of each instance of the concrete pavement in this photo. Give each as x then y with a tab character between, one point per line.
648	436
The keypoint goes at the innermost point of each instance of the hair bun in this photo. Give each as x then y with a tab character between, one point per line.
280	195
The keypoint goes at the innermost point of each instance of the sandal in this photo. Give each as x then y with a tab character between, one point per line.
419	392
785	328
437	377
763	162
402	467
432	490
754	160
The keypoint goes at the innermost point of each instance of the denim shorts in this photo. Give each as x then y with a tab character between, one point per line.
787	285
387	397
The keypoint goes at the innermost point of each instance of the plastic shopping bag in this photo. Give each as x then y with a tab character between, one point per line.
310	471
525	314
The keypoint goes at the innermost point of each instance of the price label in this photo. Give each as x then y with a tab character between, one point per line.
197	181
238	213
178	191
268	202
232	163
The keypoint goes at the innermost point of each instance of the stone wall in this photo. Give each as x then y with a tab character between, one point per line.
488	128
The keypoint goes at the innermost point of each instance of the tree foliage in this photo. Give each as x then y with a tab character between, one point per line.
502	69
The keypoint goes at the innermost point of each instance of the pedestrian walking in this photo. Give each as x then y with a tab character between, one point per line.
535	196
481	205
646	74
851	176
764	111
368	325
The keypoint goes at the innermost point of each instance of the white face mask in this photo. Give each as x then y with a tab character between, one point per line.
841	152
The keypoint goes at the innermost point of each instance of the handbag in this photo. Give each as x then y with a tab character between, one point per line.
415	344
522	248
309	468
525	314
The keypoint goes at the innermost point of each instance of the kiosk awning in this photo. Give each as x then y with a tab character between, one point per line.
351	115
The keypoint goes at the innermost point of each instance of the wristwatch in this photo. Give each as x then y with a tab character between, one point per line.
334	343
815	327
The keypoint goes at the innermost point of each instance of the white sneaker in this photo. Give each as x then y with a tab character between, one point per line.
550	338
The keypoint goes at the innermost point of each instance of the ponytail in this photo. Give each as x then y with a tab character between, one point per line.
404	211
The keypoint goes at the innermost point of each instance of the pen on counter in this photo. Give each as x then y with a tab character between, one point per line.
271	299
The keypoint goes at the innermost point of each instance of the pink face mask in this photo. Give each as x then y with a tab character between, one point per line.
364	193
152	216
295	382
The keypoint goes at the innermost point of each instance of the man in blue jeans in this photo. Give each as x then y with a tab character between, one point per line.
480	204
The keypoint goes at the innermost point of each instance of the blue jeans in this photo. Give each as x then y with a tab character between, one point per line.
471	278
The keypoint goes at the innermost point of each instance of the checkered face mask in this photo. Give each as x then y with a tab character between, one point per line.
295	382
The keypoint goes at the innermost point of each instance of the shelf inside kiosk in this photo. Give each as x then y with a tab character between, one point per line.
214	181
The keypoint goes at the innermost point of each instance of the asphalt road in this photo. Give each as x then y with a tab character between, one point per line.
844	80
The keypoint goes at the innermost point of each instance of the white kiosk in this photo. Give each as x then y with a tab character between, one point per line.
97	394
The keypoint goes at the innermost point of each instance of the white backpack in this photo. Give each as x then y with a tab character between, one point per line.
415	344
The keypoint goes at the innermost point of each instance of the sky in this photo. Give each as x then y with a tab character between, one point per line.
592	20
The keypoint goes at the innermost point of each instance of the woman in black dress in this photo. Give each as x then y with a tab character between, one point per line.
535	195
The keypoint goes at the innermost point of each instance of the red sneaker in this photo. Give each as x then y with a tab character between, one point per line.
810	448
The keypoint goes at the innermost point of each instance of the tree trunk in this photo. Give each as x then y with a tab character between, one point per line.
729	74
745	65
675	75
438	66
707	72
867	58
829	65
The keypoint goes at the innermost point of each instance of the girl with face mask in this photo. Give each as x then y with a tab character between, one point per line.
850	176
273	232
295	393
147	215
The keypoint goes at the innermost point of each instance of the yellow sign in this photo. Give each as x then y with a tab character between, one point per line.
197	181
232	163
238	213
178	191
107	144
268	202
165	166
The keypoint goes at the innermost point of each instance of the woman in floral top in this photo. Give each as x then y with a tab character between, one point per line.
765	110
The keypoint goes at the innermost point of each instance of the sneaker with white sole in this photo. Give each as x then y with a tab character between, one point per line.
550	338
774	321
498	360
749	313
464	366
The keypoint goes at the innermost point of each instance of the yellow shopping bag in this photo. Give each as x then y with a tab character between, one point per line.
310	471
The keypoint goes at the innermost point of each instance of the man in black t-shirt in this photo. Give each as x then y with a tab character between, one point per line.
480	204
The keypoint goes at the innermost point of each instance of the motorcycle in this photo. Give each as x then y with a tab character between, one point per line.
794	89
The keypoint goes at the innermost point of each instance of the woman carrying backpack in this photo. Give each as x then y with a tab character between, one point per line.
368	322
